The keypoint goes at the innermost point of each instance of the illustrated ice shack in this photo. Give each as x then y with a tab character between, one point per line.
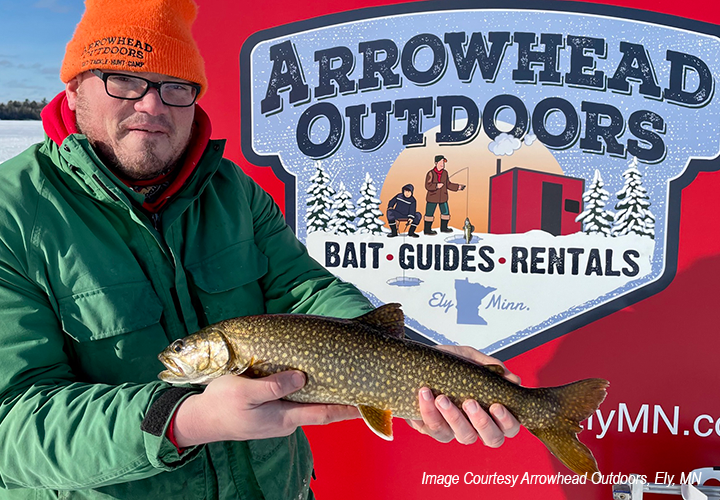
522	200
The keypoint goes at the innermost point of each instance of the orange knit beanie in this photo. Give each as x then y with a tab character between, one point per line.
151	36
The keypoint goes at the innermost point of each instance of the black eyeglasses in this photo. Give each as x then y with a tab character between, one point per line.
132	88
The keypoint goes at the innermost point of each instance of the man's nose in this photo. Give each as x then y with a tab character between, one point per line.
150	103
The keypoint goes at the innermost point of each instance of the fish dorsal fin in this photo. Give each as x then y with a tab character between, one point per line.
379	421
388	318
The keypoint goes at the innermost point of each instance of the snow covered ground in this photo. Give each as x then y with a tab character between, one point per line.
17	135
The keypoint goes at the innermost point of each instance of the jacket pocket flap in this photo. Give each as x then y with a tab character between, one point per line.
110	311
235	266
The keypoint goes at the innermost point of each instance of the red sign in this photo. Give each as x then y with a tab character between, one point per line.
661	418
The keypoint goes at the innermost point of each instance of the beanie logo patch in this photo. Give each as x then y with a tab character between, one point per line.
118	52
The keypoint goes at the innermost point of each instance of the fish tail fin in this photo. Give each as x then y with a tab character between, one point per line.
558	431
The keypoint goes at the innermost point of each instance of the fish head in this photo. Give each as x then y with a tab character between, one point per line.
197	359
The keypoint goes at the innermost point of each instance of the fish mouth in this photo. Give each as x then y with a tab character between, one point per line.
172	367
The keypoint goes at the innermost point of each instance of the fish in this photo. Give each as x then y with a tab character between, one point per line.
468	230
366	362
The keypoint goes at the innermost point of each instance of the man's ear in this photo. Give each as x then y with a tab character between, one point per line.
71	91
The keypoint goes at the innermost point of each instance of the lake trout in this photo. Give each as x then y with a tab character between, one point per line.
468	230
367	363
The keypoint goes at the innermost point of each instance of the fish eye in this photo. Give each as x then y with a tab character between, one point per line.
177	346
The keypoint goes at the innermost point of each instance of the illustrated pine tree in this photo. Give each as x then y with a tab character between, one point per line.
633	213
368	209
319	200
595	218
343	212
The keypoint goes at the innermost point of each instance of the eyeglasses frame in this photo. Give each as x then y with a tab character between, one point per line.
155	85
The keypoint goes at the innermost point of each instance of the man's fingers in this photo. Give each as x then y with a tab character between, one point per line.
297	415
464	432
505	420
274	386
483	423
433	423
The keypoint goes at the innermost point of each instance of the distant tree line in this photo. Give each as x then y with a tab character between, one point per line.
26	110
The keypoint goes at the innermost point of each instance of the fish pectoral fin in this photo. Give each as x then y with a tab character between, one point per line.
240	369
497	369
379	421
388	318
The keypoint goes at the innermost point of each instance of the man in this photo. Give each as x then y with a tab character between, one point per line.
125	230
403	207
437	183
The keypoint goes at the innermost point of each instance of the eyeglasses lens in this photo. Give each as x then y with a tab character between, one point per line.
129	87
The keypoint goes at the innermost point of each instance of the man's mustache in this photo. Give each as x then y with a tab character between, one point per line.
155	124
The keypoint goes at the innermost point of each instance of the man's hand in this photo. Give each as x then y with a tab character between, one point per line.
443	421
239	408
439	185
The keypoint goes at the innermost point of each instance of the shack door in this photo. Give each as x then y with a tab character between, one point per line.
551	211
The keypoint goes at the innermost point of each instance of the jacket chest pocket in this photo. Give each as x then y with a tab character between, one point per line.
226	284
116	333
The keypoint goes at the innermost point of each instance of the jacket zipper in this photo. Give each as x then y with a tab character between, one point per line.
155	220
112	195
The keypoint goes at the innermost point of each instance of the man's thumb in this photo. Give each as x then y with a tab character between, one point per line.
278	386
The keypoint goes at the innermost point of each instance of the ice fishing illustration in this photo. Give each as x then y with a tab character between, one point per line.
460	200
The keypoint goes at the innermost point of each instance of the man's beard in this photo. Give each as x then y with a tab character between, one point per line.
140	165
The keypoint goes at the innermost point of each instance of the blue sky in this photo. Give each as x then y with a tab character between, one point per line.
33	35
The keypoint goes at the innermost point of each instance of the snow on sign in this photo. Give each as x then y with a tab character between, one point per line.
506	173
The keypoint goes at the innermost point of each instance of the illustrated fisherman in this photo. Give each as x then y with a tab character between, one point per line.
403	207
437	183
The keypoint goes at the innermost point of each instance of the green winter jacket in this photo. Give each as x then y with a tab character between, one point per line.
91	290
